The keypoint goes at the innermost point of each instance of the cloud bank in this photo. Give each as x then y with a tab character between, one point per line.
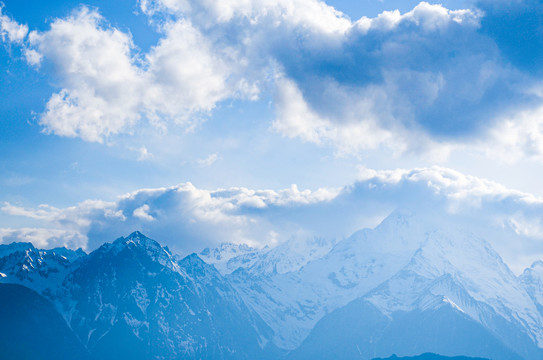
188	219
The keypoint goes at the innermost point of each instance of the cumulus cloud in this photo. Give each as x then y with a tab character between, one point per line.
431	79
108	86
188	219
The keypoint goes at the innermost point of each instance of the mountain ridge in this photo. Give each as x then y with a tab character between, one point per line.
408	267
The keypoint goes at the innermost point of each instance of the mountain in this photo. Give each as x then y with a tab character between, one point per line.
31	328
133	292
408	270
286	257
133	299
416	283
291	303
228	257
430	356
40	270
532	279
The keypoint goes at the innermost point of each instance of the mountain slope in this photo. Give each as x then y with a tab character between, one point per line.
32	329
454	297
405	264
132	299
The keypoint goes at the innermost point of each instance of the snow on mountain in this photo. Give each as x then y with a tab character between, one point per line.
136	296
532	279
458	270
228	257
291	255
135	291
40	270
291	303
407	257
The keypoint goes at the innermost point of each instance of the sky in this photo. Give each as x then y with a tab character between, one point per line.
257	121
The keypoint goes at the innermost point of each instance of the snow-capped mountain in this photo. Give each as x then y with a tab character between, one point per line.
413	284
408	263
454	288
228	257
133	299
292	303
40	270
289	256
532	278
133	290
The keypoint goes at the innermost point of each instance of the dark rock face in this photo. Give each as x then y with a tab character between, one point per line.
31	328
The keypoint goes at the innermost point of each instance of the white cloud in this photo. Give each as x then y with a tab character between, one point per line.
143	213
358	131
422	81
43	238
144	154
101	82
10	30
516	136
185	75
208	161
108	87
314	15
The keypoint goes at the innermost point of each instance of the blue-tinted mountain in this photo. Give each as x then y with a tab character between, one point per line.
407	268
430	356
414	284
32	329
134	299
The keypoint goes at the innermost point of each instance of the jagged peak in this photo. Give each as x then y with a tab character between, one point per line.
194	265
538	264
138	239
8	249
532	272
193	259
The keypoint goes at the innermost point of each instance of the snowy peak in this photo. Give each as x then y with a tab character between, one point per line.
141	243
228	257
196	268
6	250
139	240
22	263
70	255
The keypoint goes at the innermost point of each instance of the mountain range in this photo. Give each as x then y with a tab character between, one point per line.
407	287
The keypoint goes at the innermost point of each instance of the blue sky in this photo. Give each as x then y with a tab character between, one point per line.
106	103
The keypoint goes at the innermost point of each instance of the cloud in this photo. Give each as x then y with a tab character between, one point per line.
208	161
143	213
430	80
10	30
144	154
44	238
108	87
188	219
